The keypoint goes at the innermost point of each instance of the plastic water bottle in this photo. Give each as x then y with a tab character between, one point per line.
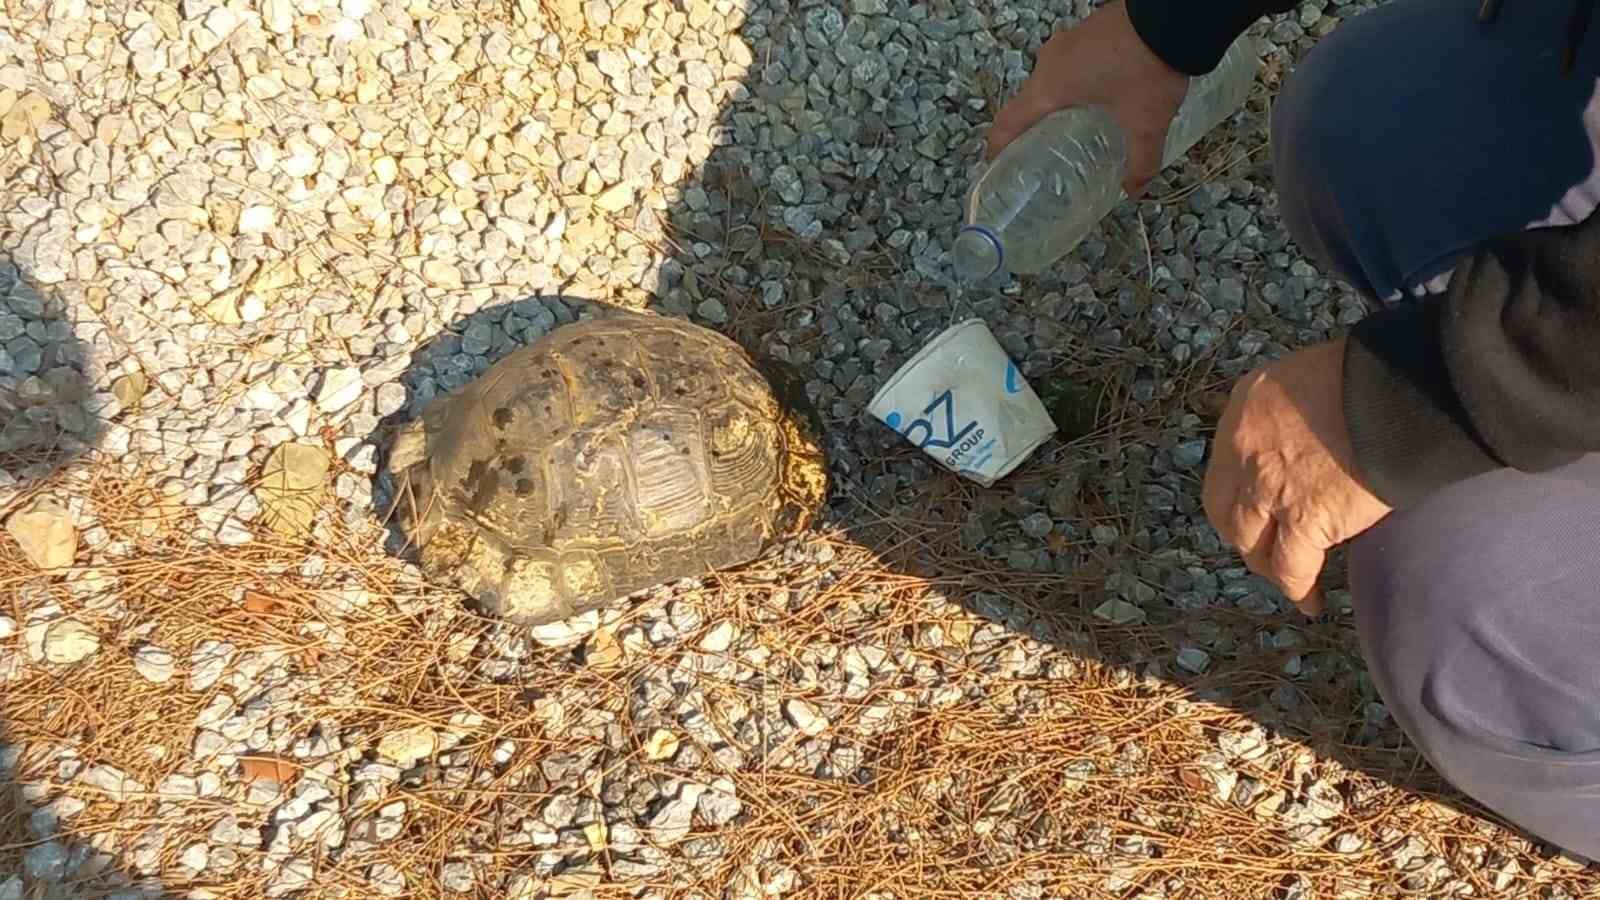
1048	188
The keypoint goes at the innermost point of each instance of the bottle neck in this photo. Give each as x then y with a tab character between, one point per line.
977	254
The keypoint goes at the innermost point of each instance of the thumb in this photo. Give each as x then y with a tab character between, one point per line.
1313	604
1295	564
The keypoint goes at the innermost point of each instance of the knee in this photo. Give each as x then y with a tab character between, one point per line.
1474	611
1474	607
1312	129
1324	154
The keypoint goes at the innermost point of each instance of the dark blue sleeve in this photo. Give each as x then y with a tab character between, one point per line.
1500	371
1192	35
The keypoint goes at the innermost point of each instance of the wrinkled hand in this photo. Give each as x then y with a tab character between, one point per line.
1281	485
1103	62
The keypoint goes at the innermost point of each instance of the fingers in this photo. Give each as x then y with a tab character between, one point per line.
1291	562
1259	502
1040	95
1270	549
1296	566
1017	116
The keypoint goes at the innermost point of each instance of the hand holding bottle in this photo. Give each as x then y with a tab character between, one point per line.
1101	61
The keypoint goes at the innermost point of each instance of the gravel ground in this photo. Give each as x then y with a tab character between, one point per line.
245	238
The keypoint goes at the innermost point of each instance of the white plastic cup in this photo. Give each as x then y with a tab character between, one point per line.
964	402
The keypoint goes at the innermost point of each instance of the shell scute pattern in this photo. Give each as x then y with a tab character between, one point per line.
607	457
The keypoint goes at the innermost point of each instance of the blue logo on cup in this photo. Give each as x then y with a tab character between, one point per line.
932	435
1011	378
960	442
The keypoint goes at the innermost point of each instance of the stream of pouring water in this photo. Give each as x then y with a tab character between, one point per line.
958	289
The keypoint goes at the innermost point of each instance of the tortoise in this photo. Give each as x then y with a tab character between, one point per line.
611	455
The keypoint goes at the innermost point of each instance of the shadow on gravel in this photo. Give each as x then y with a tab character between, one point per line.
49	424
47	415
37	865
1250	635
814	231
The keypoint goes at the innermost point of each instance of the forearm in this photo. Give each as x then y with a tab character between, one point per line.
1503	370
1192	35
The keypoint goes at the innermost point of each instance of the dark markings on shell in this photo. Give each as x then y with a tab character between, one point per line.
484	482
524	487
502	417
516	464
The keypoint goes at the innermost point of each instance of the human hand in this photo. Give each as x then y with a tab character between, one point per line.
1281	486
1102	62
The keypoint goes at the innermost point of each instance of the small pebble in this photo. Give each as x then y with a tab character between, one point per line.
712	311
195	857
207	664
154	663
46	862
805	717
69	641
1189	454
719	638
457	877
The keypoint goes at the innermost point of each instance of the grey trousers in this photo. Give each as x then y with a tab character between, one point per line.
1405	137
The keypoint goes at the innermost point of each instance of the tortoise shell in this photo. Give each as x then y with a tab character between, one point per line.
609	456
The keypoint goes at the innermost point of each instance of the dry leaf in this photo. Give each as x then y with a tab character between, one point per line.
596	833
603	651
1195	780
957	733
1271	803
25	116
661	744
267	768
263	604
959	632
224	308
233	131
